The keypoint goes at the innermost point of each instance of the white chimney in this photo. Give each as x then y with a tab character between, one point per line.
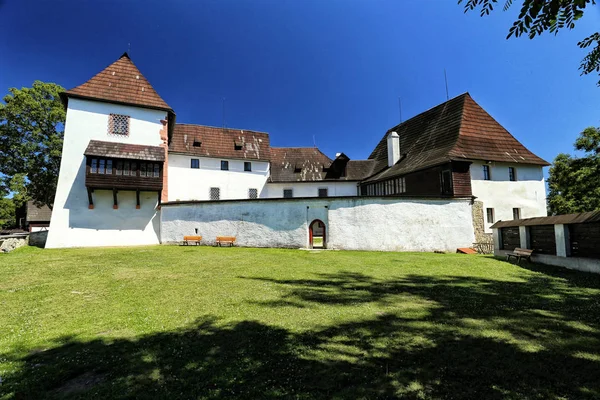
393	147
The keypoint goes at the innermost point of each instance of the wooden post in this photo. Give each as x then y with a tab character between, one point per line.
90	199
137	199
115	203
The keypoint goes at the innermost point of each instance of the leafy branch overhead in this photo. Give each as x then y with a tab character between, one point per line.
538	16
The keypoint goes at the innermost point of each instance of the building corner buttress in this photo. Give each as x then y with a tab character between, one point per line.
164	137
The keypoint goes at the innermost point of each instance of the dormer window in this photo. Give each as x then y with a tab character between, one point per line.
237	146
197	143
118	124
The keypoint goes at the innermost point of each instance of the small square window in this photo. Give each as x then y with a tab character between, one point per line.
288	193
490	215
486	173
224	165
323	192
247	166
253	193
516	213
197	143
512	174
237	146
215	193
195	163
118	124
94	166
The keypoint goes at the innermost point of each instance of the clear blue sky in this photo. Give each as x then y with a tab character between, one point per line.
329	68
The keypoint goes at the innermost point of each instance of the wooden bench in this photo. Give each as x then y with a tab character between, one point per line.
192	239
519	254
230	240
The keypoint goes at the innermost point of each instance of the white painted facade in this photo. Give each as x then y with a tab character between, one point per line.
72	223
187	183
311	189
527	193
352	224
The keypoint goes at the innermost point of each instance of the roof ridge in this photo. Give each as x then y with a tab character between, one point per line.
220	127
465	94
458	153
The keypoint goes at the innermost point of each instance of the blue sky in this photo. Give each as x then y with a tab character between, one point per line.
328	69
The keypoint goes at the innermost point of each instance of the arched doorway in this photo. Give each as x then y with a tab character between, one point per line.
317	234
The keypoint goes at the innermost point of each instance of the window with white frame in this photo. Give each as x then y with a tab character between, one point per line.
118	124
215	193
516	213
486	173
490	215
512	174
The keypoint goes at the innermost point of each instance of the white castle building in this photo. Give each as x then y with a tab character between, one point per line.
131	175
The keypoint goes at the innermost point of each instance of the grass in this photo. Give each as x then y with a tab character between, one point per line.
216	323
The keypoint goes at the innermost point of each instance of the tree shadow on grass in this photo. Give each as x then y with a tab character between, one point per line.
477	339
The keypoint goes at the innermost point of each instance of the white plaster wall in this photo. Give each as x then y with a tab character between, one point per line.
528	192
186	183
72	223
352	224
311	189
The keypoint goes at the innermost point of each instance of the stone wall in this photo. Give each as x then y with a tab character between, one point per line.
355	223
479	224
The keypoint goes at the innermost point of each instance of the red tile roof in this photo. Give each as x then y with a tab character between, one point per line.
458	129
220	142
121	82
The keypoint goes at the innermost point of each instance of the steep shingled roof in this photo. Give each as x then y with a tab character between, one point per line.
298	164
121	82
220	142
100	148
458	129
37	214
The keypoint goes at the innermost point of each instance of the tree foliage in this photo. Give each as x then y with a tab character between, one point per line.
574	182
7	213
539	16
31	136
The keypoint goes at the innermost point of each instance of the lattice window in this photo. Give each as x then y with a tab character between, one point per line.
253	193
215	193
118	125
288	193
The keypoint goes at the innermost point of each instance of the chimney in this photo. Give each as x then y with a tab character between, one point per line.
393	148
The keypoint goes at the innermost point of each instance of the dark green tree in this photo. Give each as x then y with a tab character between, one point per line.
31	136
574	182
7	213
539	16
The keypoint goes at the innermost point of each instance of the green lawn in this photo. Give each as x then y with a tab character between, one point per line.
220	323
